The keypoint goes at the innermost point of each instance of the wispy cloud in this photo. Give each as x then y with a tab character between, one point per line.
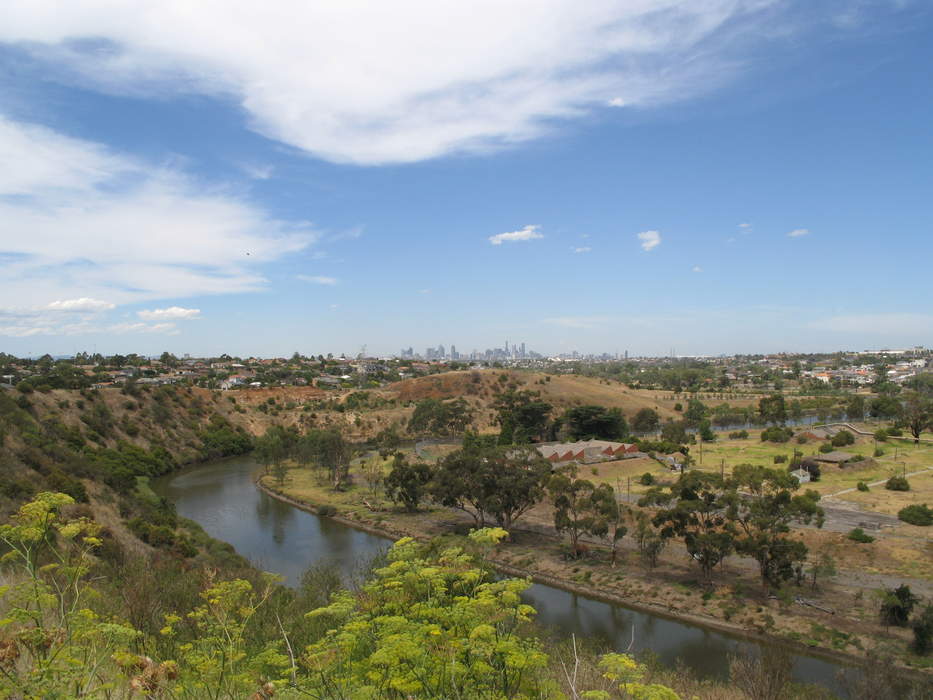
83	304
697	268
75	199
745	227
528	233
649	240
388	104
317	279
582	249
257	171
172	313
798	232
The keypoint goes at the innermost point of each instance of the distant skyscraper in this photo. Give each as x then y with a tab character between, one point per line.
522	352
453	353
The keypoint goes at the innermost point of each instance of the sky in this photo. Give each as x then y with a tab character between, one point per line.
260	178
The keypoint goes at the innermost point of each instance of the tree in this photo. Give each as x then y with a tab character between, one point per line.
843	438
388	441
491	482
772	409
280	472
608	522
706	431
328	450
896	605
884	406
674	431
923	631
763	514
646	421
917	414
407	483
275	446
696	411
441	418
373	471
522	416
855	407
574	507
823	569
588	422
693	508
649	541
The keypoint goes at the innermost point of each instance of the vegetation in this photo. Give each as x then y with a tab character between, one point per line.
897	483
917	514
859	535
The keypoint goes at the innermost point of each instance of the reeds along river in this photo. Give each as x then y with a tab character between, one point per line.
277	537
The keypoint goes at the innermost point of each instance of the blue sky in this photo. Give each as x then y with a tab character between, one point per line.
712	176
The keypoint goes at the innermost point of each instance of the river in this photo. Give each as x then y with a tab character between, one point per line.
277	537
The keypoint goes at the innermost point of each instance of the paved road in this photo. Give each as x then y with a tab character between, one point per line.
843	517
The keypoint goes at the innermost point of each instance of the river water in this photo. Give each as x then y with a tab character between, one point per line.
277	537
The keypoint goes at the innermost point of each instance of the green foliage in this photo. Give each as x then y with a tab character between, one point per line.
763	515
859	535
896	605
442	418
738	435
772	409
674	432
522	416
646	479
881	435
646	421
923	631
220	439
780	459
580	507
916	514
407	482
843	438
588	422
694	509
826	448
776	434
897	483
862	486
491	482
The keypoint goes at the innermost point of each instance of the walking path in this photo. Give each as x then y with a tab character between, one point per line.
876	483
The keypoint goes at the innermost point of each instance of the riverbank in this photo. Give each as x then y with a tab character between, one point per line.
535	555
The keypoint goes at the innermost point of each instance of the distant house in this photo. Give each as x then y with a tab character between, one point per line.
802	476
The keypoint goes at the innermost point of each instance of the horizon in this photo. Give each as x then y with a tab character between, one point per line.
719	178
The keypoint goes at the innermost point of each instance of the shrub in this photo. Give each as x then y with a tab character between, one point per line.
24	387
826	447
923	631
897	483
801	439
326	511
646	479
862	486
896	605
780	459
857	458
881	435
895	432
776	434
859	535
916	514
878	452
738	435
843	438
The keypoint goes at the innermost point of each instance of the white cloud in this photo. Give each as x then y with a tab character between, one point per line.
798	232
171	313
529	233
82	304
123	328
424	291
257	171
745	227
363	82
318	279
649	240
697	268
79	223
582	249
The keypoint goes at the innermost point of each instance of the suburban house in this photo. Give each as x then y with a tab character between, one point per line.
802	476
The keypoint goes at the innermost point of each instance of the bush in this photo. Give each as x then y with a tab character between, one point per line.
859	535
801	439
780	459
326	511
646	479
776	434
862	486
881	435
897	483
878	452
738	435
916	514
826	448
896	605
895	432
923	631
843	438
